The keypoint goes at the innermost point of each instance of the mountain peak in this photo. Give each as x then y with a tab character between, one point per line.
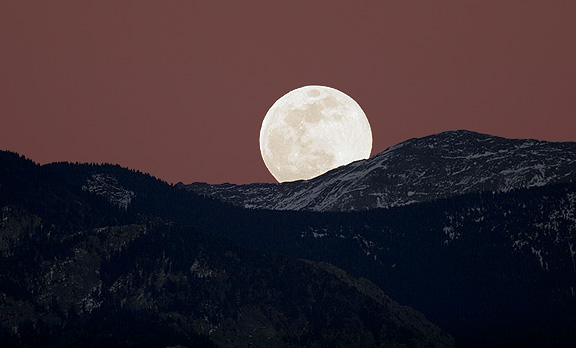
458	134
453	139
441	165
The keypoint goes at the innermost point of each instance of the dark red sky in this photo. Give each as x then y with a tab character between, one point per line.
179	88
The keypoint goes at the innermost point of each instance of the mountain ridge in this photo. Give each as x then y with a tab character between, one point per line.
417	170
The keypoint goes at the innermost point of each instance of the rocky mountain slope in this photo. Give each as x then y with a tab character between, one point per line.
418	170
95	256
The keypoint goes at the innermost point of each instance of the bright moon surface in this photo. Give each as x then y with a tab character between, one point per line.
312	130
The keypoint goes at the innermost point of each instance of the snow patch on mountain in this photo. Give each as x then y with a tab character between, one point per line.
201	269
107	186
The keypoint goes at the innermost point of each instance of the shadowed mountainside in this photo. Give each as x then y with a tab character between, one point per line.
493	266
90	258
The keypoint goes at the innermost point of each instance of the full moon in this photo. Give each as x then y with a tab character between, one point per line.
312	130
